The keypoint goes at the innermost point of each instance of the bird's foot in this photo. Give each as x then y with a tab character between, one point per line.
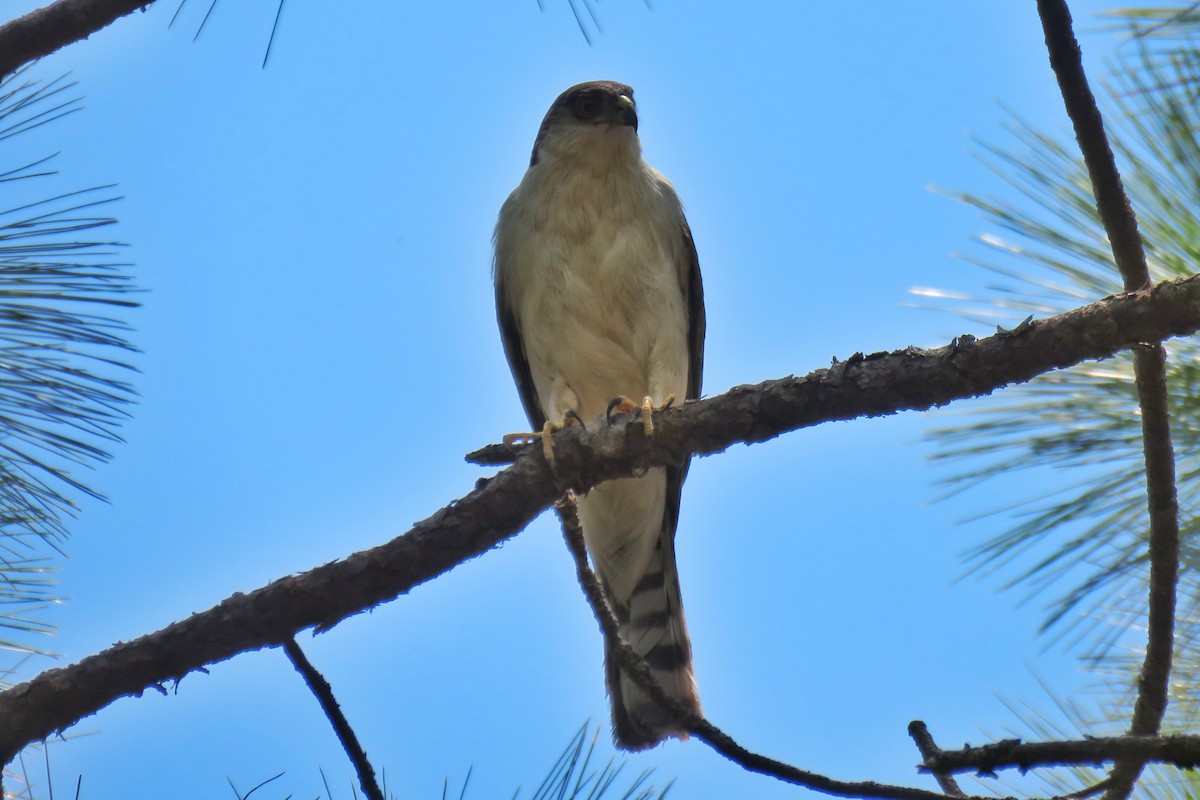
623	405
520	439
648	409
546	435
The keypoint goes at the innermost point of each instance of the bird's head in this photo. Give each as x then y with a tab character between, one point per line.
595	121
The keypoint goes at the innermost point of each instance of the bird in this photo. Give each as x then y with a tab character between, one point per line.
599	299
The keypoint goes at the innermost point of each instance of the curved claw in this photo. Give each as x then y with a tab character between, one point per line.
620	404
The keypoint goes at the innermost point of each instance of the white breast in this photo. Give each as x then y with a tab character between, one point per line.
591	259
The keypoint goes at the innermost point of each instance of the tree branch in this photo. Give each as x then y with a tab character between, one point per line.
1181	751
874	385
333	712
1120	223
41	32
929	751
1153	683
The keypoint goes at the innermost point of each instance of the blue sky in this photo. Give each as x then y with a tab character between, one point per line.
320	351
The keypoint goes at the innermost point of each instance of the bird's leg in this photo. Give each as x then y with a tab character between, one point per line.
520	439
570	417
622	404
648	415
648	409
545	436
560	405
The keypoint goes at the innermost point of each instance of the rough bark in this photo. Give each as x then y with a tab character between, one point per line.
44	30
1182	751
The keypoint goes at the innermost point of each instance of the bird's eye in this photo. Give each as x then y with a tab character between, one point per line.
587	106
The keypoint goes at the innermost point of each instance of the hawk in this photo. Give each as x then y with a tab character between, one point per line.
598	297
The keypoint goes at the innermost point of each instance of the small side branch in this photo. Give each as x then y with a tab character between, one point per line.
929	752
333	712
1120	223
1181	751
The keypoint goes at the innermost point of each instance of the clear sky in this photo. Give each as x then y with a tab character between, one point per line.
320	351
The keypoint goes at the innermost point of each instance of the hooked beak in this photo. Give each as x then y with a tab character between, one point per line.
626	112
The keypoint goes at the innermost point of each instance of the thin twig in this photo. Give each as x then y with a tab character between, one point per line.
333	712
930	751
699	727
1120	223
1089	791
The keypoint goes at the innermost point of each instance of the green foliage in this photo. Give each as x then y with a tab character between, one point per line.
1076	718
1085	536
62	396
1090	530
573	776
1167	29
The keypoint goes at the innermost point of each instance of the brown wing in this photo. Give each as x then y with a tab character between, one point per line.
693	290
514	350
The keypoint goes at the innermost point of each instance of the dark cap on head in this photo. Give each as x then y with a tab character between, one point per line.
593	102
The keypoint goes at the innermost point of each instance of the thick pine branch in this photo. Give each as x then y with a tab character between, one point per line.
45	30
875	385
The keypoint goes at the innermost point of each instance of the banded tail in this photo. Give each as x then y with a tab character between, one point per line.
629	526
654	626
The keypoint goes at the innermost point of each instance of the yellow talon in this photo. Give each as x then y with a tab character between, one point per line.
545	435
622	405
548	440
648	412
